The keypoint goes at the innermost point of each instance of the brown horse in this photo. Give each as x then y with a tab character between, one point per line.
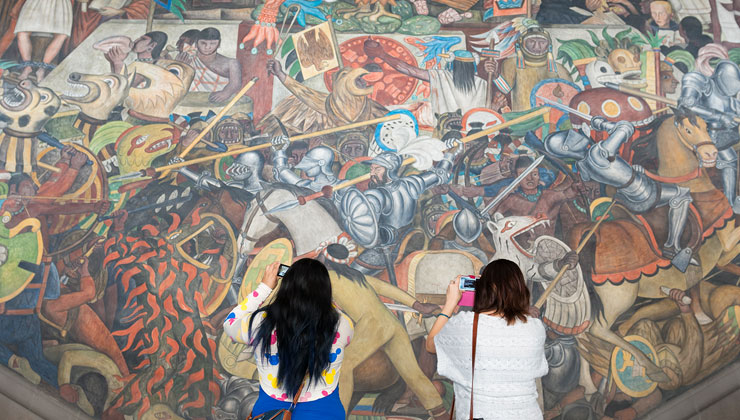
627	264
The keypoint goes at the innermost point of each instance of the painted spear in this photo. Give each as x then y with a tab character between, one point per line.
327	191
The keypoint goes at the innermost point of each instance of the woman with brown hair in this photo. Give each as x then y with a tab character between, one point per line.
510	347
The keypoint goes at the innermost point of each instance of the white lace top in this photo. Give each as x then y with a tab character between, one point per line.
236	326
508	360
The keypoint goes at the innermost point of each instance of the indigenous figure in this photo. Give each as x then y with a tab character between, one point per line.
24	109
668	83
309	110
213	72
453	89
46	16
147	48
532	63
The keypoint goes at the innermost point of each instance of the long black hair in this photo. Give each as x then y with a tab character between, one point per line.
305	322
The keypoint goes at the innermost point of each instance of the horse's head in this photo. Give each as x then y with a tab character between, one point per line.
692	133
515	234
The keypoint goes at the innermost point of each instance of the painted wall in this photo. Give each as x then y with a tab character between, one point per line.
116	274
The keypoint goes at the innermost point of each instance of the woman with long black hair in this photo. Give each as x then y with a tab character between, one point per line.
299	339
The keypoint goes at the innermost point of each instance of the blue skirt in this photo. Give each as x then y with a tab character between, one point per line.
327	408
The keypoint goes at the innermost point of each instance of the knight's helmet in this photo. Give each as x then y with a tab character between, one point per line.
570	143
390	161
467	225
727	78
317	160
247	168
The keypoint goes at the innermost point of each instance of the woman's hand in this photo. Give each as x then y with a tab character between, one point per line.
454	294
269	277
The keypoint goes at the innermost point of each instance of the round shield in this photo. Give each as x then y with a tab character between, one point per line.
209	245
478	119
556	90
629	376
278	250
359	219
236	357
569	305
15	248
384	138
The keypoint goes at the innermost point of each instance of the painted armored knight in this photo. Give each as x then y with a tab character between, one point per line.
316	164
379	217
601	162
244	173
714	99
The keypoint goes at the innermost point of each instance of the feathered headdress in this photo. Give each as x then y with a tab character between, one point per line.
505	37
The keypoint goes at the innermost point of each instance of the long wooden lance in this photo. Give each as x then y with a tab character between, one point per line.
65	199
328	190
646	95
565	267
241	150
215	120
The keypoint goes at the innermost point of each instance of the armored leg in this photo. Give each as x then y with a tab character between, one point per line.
678	200
727	164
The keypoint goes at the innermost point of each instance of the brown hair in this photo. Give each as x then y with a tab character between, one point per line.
501	288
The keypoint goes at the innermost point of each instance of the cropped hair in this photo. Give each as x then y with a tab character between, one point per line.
501	288
304	321
159	38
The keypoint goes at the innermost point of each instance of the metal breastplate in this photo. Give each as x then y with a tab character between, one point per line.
717	102
637	190
401	205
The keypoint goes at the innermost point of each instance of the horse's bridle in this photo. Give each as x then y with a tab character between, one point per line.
693	147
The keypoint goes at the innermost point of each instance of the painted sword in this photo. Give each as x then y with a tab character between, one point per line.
566	108
509	188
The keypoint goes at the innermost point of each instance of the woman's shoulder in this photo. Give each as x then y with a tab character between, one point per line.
345	320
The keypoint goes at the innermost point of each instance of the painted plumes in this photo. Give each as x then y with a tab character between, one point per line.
505	36
163	333
426	150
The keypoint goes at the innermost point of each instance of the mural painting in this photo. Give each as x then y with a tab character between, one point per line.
156	156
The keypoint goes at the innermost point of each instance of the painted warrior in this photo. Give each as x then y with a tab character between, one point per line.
316	164
713	99
391	202
601	162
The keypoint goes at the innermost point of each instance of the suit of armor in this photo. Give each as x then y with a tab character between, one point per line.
315	164
244	174
714	99
601	162
393	206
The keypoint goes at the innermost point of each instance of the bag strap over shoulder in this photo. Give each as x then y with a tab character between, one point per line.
298	394
472	374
